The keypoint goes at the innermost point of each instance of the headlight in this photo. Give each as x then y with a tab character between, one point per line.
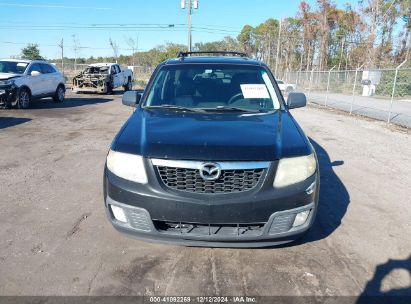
127	166
7	82
293	170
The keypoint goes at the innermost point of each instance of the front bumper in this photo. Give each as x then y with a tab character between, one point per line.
89	89
89	85
260	217
8	94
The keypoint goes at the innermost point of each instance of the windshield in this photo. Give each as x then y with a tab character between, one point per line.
13	67
96	70
213	86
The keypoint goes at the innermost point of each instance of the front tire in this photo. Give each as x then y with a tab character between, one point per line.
109	88
23	99
128	86
60	94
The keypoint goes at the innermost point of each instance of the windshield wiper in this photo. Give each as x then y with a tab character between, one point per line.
231	109
173	107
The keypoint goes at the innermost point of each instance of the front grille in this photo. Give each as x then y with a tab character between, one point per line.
221	230
189	180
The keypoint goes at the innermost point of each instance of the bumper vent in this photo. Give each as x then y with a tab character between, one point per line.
282	223
189	180
223	230
139	220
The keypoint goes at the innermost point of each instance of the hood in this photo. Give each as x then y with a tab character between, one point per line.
5	76
160	133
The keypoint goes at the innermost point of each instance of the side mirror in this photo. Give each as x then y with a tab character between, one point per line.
131	98
296	100
35	73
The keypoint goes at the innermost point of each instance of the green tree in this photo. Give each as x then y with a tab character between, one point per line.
246	39
266	35
170	50
405	36
228	44
31	51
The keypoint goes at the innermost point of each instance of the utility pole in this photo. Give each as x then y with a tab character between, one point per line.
189	25
136	50
61	45
75	47
114	46
191	4
278	48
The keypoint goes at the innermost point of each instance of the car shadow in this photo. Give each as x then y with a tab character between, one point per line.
6	122
372	292
333	201
69	102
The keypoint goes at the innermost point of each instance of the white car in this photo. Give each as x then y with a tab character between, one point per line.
103	78
286	87
21	81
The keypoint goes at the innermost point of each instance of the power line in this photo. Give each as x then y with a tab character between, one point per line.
169	26
54	6
69	46
118	27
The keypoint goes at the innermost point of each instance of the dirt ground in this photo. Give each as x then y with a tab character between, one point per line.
56	240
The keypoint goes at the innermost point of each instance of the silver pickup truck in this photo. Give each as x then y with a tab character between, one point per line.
103	78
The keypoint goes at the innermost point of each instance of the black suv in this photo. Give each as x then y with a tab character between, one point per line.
211	156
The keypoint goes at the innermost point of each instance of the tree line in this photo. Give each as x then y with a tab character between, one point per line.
374	34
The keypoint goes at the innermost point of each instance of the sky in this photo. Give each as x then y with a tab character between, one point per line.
91	24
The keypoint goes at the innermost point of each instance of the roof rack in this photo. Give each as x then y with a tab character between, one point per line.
223	53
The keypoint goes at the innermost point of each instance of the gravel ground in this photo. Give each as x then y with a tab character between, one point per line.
55	239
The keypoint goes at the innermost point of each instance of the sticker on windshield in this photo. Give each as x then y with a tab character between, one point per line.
254	91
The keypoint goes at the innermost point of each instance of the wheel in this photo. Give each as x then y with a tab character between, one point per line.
128	86
109	88
23	99
60	94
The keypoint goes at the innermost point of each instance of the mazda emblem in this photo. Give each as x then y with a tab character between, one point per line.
210	171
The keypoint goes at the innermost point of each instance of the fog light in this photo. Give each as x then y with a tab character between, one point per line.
300	218
118	213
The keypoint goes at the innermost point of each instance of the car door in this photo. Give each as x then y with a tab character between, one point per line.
121	77
113	74
35	79
50	81
118	81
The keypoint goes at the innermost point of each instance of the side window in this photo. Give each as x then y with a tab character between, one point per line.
118	70
113	70
46	68
51	68
156	97
35	67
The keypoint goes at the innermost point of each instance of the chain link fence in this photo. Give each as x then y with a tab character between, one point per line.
383	94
